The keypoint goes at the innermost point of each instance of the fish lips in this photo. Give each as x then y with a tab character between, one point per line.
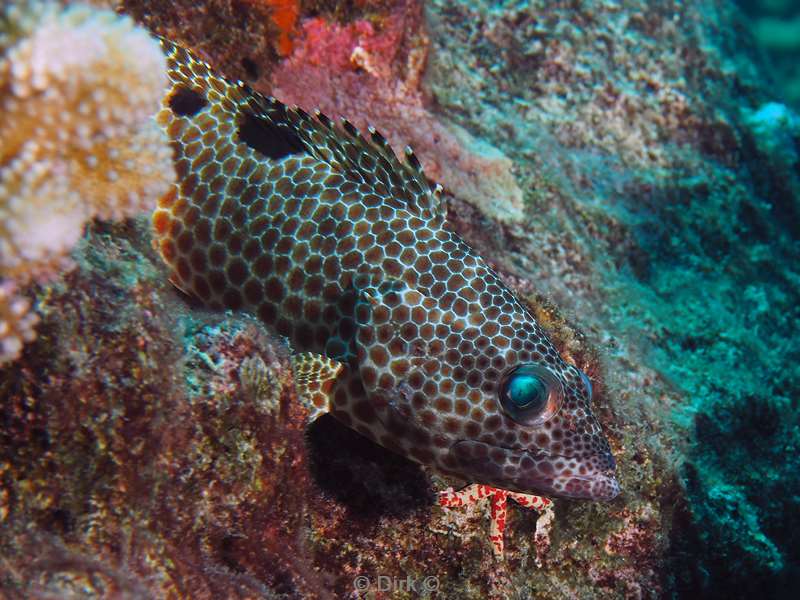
531	472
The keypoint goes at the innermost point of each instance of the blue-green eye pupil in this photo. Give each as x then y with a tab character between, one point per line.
526	390
531	394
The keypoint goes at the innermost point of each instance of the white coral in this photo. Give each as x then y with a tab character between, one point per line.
78	90
16	323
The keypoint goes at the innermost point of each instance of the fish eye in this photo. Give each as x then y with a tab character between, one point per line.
531	394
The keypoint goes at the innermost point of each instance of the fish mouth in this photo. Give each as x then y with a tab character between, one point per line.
536	472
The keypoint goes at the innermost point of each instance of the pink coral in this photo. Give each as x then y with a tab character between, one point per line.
371	75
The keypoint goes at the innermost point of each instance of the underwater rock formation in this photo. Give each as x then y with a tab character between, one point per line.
150	447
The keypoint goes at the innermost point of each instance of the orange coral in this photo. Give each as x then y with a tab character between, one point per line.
284	14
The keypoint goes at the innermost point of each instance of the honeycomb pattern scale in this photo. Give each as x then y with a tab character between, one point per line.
342	248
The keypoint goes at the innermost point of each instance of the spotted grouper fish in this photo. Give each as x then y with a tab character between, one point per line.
399	329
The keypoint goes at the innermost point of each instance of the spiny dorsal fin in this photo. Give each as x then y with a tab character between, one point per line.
370	160
365	159
314	376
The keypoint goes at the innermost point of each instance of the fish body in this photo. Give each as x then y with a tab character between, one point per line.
403	332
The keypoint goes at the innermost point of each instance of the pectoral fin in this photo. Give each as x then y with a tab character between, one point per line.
314	378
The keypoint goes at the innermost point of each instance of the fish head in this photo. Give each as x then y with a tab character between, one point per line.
539	434
486	396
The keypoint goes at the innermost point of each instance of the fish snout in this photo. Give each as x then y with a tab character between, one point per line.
535	472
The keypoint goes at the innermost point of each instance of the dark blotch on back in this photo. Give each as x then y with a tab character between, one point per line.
268	138
186	102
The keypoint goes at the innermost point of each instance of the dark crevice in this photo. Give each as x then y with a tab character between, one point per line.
367	478
250	68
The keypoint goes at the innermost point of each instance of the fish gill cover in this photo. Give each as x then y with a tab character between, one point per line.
629	170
